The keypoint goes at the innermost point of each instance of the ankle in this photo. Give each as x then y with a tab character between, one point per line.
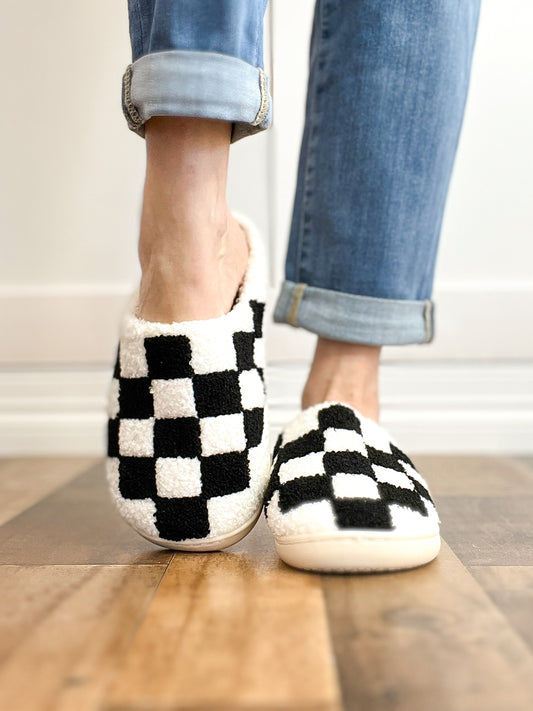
193	275
346	373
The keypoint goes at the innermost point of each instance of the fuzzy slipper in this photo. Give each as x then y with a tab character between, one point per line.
188	455
343	497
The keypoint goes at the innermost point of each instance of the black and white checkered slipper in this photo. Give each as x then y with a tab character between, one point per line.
188	454
343	497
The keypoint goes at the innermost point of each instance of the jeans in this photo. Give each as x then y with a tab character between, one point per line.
387	86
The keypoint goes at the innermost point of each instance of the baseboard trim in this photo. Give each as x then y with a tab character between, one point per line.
78	324
467	407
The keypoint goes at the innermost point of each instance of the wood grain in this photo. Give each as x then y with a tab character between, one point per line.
511	589
474	475
24	481
66	631
489	530
230	631
426	639
76	525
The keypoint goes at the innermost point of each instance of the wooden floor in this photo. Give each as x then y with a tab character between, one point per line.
94	617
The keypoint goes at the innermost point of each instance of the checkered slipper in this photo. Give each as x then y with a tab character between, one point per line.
188	455
343	497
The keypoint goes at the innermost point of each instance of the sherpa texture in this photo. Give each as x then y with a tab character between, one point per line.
188	456
335	470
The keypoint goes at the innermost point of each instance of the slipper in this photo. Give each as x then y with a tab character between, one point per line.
188	454
343	497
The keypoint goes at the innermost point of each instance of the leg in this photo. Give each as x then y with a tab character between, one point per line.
188	453
181	94
386	95
192	251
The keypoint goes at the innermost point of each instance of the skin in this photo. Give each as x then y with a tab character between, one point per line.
193	253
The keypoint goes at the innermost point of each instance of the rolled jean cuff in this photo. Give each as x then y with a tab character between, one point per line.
354	318
200	84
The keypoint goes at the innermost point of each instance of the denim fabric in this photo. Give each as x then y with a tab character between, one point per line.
386	94
387	86
203	59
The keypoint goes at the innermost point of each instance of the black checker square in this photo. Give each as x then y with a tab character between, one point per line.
384	459
135	399
181	519
304	490
339	417
403	497
136	478
116	371
401	456
308	443
112	438
224	474
258	308
217	393
362	513
178	437
347	463
420	489
168	357
253	426
244	348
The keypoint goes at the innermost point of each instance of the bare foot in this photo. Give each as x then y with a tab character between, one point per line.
344	372
193	252
196	275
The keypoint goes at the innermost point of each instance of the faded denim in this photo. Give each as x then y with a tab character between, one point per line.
197	58
388	82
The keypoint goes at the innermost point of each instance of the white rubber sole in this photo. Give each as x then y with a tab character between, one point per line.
216	543
358	552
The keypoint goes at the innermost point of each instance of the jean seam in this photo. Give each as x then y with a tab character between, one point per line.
263	108
292	313
133	117
428	320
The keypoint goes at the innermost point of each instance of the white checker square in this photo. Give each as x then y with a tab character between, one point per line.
226	513
212	350
177	477
112	401
406	521
136	438
354	486
246	317
173	398
301	425
315	517
259	352
251	385
222	434
340	440
308	465
414	474
374	435
133	363
390	476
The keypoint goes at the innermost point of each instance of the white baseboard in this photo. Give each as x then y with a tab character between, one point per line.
78	324
459	407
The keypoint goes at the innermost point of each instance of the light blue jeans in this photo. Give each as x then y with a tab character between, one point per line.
388	81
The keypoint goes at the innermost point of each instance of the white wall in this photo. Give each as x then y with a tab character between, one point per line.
70	194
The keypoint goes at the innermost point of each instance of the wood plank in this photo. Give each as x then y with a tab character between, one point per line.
66	630
511	589
26	480
426	639
489	530
476	475
76	525
231	631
